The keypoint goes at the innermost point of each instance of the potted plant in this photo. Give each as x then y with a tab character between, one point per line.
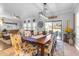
68	30
72	38
70	33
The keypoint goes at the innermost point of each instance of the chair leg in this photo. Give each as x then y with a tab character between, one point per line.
48	54
52	51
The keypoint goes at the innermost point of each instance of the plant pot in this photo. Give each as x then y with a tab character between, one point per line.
71	42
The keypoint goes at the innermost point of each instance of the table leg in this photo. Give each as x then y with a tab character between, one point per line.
42	50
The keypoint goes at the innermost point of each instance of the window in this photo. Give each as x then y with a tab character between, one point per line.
53	26
57	26
48	26
34	26
29	26
25	26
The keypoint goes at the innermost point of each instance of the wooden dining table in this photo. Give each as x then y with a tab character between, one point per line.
39	40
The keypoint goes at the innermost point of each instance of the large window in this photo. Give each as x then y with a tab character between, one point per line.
29	26
53	26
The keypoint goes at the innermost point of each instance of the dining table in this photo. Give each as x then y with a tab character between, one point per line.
39	40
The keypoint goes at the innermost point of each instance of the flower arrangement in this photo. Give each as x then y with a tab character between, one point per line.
68	29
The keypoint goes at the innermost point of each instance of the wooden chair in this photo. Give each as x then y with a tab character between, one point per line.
31	50
27	33
16	43
49	46
19	47
41	33
0	34
35	32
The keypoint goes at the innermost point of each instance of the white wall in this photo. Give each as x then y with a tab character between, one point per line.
77	30
76	11
65	17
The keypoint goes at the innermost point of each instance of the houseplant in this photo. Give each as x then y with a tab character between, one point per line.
70	33
72	38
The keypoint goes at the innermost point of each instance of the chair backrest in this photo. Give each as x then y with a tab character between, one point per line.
51	39
16	42
40	33
35	33
27	33
49	36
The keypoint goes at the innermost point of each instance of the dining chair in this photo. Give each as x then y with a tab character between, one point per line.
41	33
35	32
0	34
30	48
49	46
20	48
27	33
16	43
58	44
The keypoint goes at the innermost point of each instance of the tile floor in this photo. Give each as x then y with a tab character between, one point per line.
67	51
70	50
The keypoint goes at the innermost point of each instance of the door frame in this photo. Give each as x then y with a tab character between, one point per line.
61	26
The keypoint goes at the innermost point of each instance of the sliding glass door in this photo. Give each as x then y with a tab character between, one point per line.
48	26
55	27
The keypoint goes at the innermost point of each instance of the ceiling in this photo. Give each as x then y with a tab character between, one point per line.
25	10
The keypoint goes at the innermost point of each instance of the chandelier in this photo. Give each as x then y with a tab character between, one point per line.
43	12
44	8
